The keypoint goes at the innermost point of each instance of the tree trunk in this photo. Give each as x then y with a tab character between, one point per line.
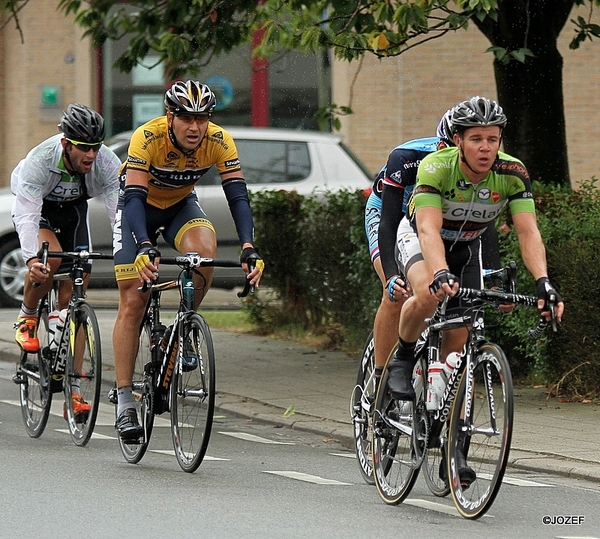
532	98
531	92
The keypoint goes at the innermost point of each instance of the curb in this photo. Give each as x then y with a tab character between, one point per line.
519	459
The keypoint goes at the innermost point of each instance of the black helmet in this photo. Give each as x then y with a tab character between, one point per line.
82	124
445	130
190	97
476	112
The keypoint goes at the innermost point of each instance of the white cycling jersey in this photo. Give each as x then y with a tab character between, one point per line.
38	177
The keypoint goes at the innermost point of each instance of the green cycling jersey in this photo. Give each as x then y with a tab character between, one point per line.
469	208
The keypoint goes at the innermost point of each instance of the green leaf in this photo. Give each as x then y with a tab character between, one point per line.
291	410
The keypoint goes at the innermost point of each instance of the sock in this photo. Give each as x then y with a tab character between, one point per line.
26	312
406	350
125	399
76	386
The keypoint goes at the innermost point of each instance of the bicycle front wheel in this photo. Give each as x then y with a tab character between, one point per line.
483	435
395	461
361	410
83	374
34	384
193	393
143	394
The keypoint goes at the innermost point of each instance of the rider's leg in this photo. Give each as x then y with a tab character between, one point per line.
202	240
415	310
385	327
27	320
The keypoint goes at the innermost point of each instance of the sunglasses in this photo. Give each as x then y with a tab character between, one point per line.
189	118
85	147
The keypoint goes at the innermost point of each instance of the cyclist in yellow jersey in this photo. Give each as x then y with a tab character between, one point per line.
459	192
166	157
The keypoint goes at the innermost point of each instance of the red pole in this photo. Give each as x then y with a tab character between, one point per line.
259	86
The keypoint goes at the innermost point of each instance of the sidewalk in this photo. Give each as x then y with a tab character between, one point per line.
261	378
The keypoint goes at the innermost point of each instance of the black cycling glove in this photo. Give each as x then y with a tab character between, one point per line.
441	277
547	292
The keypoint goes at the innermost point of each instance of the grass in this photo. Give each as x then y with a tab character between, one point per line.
238	321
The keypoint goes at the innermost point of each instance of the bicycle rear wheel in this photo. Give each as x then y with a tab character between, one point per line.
143	394
484	436
361	411
34	381
395	462
193	393
83	373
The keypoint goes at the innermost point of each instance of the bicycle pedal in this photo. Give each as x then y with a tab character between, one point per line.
19	378
112	396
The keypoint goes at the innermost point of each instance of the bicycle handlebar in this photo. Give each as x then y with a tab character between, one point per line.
500	297
193	260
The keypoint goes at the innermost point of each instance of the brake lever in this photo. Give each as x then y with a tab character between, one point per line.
145	286
42	255
252	263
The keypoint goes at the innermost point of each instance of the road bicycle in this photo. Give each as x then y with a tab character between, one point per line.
362	399
175	368
474	416
75	365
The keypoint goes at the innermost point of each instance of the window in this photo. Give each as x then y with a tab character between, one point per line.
268	161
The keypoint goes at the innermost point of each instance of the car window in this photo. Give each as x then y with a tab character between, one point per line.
268	161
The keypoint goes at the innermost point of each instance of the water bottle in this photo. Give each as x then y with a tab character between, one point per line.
435	385
450	365
417	381
56	324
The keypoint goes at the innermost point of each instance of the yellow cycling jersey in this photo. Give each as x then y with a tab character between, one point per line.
173	173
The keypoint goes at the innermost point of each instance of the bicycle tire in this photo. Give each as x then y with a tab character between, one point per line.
434	464
34	393
394	469
143	394
488	431
193	394
361	411
84	341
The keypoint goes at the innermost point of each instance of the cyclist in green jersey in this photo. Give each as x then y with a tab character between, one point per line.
459	192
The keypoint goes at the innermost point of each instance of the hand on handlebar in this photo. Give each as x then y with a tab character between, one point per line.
549	301
146	263
38	273
444	283
253	265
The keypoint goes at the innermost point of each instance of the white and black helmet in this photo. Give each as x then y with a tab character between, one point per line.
82	124
445	131
190	97
477	112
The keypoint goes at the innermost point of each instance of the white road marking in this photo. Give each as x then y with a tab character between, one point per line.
344	455
434	506
253	438
516	481
171	453
307	478
94	435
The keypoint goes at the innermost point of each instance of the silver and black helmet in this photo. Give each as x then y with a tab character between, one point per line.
477	112
82	124
190	97
445	130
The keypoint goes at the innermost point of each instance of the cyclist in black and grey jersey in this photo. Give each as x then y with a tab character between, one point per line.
52	185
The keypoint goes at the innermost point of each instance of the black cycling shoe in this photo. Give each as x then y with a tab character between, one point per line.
128	427
399	380
189	361
465	472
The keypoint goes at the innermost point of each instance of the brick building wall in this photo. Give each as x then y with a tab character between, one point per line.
394	99
53	54
398	99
